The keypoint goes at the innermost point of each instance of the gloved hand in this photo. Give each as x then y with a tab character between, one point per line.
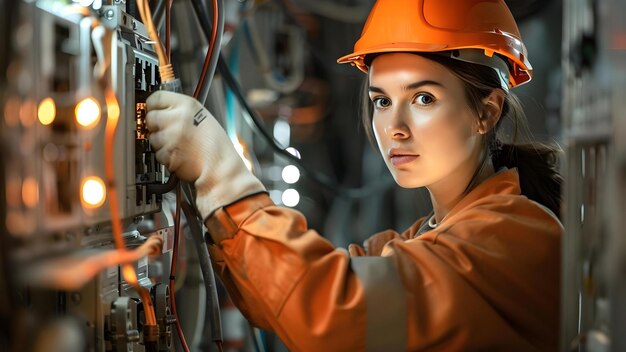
191	143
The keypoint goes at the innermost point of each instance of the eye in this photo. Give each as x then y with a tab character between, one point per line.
424	99
381	102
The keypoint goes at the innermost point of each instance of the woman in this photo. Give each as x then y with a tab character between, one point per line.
481	273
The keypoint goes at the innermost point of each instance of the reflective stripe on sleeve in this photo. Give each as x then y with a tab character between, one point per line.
385	301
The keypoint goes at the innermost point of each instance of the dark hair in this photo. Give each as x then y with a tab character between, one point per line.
537	163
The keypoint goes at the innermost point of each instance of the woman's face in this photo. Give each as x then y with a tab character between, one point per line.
423	124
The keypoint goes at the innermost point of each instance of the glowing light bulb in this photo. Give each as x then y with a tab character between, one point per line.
28	111
293	151
291	197
92	192
291	174
47	111
30	192
87	112
282	132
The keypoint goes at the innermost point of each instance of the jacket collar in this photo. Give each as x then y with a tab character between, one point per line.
504	182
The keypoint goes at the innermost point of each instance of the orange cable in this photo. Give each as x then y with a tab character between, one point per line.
165	68
72	274
146	18
128	270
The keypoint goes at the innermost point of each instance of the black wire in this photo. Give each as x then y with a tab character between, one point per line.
207	271
131	9
162	188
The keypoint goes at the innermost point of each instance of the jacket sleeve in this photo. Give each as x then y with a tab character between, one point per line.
416	295
374	245
287	278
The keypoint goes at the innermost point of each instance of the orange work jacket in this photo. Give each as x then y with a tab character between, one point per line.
487	278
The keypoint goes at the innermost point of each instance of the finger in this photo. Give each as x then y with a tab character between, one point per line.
156	120
163	99
157	140
355	250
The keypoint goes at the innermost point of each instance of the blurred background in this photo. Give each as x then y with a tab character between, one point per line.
293	113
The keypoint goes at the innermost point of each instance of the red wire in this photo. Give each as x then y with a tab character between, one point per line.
209	53
168	4
179	329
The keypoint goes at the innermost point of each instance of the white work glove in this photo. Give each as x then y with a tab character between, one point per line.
191	143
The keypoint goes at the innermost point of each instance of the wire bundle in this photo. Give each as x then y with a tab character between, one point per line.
165	68
202	87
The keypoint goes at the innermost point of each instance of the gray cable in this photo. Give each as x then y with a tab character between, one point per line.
256	339
204	257
158	14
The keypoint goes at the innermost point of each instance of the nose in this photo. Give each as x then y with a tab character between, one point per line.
396	127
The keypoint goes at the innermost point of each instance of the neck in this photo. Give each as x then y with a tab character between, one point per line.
445	194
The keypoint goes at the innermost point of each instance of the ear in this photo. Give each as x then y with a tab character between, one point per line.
491	110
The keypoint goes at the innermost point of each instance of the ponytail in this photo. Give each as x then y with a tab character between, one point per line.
536	163
537	167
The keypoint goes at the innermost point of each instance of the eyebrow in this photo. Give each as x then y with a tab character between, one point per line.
411	86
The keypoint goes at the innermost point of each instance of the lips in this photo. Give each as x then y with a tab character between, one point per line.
400	157
398	160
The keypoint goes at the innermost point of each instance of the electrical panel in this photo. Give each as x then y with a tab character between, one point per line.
54	125
593	105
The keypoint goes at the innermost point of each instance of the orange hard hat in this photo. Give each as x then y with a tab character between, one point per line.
444	25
